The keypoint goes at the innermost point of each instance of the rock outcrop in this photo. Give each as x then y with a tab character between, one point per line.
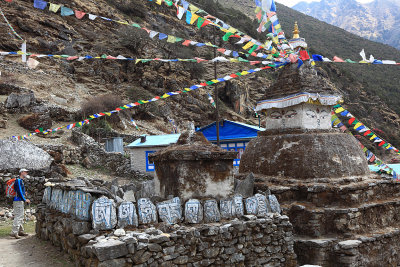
22	154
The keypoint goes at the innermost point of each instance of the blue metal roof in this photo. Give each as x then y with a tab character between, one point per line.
230	130
156	140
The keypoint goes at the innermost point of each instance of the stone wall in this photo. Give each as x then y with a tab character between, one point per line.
88	223
94	155
34	187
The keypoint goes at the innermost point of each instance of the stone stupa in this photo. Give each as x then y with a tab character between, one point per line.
342	214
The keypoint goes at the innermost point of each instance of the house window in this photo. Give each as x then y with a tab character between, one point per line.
149	165
235	146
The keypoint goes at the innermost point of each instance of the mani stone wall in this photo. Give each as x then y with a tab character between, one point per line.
96	231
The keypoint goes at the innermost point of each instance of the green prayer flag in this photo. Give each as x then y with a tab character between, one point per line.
350	61
253	48
227	35
200	22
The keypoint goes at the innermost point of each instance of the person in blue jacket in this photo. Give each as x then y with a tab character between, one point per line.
18	205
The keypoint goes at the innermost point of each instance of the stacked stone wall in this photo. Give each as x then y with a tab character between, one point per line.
239	232
34	187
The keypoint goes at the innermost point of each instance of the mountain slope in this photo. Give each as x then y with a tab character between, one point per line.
372	92
371	95
377	21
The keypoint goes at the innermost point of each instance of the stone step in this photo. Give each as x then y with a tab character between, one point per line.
379	248
344	193
309	220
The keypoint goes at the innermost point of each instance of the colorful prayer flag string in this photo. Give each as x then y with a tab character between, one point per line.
141	102
10	26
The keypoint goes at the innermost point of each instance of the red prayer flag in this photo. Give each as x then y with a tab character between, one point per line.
205	23
79	14
352	120
337	59
367	133
186	42
382	143
304	55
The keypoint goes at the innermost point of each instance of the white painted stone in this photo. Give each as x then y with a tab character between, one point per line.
211	212
226	208
47	195
251	206
302	116
119	232
147	211
127	215
82	205
104	215
263	208
193	211
170	211
237	206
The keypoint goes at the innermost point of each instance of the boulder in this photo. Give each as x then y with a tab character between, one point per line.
20	100
35	121
22	154
245	187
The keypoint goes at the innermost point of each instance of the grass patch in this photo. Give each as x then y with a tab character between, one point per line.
5	228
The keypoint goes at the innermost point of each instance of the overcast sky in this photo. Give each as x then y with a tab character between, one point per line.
291	3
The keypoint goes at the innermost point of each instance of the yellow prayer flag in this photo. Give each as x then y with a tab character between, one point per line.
358	125
248	45
54	8
373	137
159	2
234	60
193	8
137	61
339	110
232	30
165	96
245	72
215	81
108	113
194	18
171	39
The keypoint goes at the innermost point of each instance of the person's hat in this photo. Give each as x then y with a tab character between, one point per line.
23	170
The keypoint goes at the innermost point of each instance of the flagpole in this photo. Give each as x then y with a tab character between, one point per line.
216	93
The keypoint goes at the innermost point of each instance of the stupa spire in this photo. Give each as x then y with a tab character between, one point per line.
296	32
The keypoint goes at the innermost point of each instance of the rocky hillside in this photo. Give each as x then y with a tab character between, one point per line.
369	92
67	88
377	20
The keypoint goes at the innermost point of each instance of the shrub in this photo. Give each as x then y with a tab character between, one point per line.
101	103
134	39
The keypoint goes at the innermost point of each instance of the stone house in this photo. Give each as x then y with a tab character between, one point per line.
141	148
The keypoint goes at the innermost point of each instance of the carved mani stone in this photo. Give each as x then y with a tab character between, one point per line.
237	206
82	205
147	211
47	195
211	212
170	211
251	206
226	206
273	201
263	205
127	215
104	216
193	211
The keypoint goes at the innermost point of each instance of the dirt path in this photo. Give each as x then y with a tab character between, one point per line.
32	252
